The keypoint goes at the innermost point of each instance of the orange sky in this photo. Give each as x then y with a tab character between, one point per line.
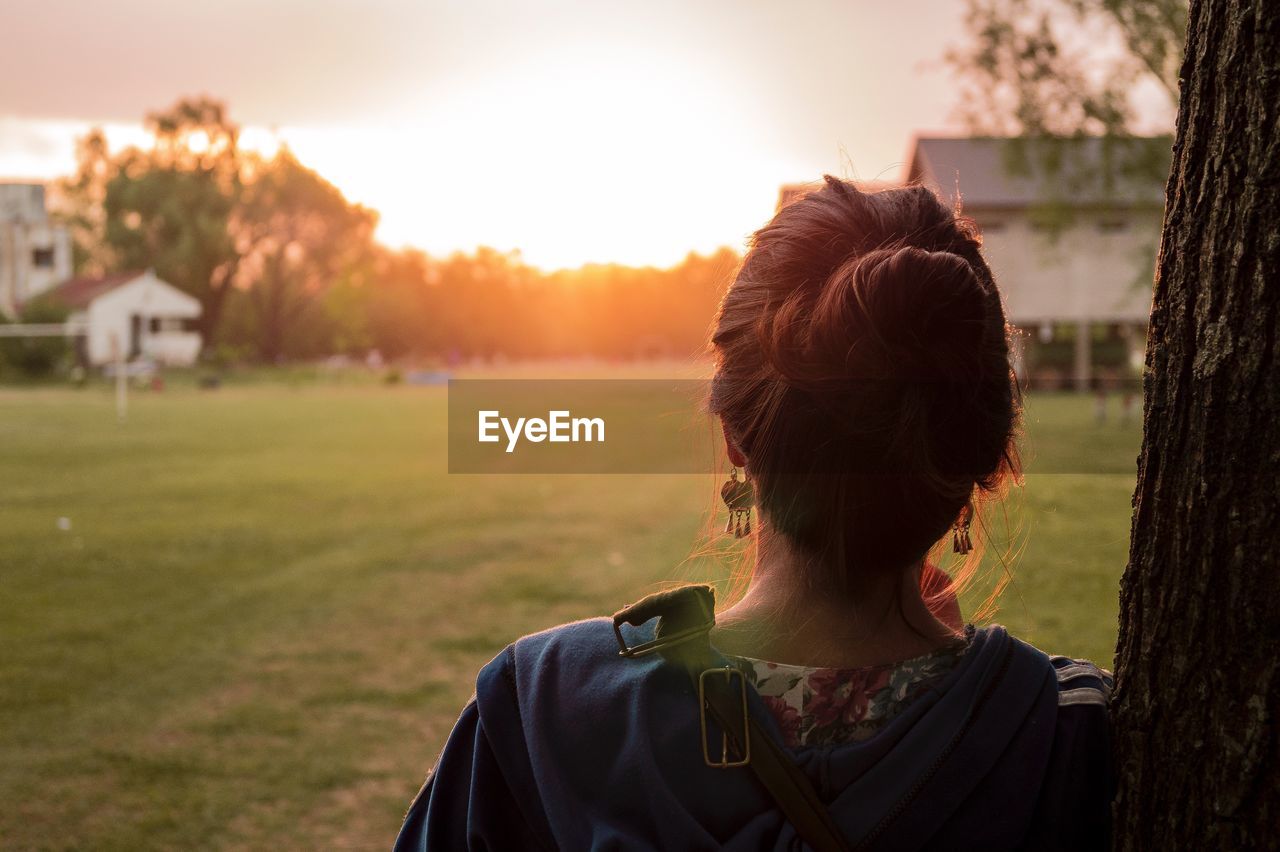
575	131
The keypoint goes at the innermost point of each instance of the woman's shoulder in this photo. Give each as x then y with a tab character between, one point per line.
578	661
578	649
574	646
1079	682
569	684
609	647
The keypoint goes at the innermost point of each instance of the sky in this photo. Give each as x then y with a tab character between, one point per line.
572	130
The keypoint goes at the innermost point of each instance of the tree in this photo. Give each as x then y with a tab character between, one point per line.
78	201
404	315
286	267
213	218
36	356
167	207
1032	68
296	237
1197	700
1044	72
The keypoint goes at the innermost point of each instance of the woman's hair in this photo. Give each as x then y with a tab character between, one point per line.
863	369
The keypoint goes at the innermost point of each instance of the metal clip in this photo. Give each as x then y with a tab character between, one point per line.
658	644
661	605
724	762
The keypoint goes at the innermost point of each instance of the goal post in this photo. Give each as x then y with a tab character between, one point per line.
78	329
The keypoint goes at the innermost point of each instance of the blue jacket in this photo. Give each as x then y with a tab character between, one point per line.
567	745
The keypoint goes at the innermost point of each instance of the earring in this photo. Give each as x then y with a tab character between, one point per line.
739	496
960	542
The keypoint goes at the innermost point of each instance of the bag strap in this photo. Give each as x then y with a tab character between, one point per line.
686	616
777	773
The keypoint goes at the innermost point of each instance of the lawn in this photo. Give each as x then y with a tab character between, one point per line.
247	618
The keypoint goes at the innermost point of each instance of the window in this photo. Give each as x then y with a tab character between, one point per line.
169	325
42	258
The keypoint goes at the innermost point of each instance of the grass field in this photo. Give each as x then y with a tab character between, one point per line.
271	601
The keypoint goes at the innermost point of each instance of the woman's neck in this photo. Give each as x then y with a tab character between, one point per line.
785	618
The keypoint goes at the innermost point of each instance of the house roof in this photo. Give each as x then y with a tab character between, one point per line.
79	292
994	172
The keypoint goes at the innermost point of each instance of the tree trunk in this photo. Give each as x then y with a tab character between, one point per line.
211	316
1197	701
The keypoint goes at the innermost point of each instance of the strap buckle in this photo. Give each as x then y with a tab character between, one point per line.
724	762
679	602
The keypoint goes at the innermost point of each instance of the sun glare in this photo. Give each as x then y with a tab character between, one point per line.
572	157
631	163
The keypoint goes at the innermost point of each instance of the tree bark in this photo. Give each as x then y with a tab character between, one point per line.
1197	702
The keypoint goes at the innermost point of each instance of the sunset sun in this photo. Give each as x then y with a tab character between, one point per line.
627	162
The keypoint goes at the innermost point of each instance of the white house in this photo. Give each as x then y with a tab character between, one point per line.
35	253
131	315
1079	277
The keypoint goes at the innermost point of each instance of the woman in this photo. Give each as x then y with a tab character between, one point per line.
864	387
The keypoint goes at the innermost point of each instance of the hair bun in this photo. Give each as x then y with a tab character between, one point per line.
863	369
904	312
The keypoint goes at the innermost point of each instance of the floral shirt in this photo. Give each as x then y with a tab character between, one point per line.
828	706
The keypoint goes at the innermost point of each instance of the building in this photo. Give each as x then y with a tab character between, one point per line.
1074	254
131	315
35	253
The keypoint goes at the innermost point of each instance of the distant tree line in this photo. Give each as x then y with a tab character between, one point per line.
286	268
